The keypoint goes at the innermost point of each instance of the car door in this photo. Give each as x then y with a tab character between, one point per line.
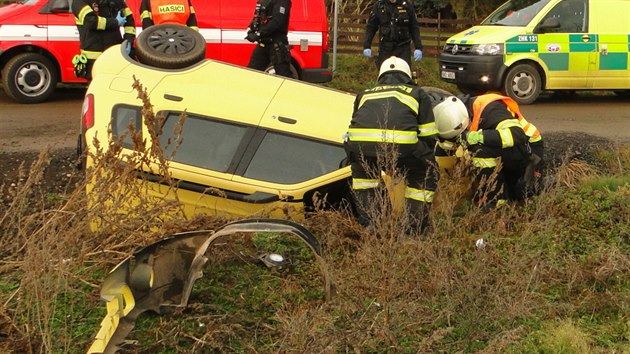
610	70
565	46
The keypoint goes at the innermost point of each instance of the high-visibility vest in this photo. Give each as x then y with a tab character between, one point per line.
482	101
170	11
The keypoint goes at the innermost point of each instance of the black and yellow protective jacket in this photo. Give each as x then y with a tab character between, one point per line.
395	111
271	22
98	27
397	23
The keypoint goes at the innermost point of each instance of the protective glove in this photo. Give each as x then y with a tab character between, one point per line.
252	36
417	55
121	20
128	48
367	52
475	137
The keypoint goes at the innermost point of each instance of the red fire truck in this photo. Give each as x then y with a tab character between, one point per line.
38	39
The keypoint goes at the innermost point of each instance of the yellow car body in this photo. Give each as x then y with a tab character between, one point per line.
253	143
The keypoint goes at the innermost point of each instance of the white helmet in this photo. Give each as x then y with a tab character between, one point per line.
451	117
394	64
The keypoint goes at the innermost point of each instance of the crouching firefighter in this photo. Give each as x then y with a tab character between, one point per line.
506	150
269	29
394	119
99	23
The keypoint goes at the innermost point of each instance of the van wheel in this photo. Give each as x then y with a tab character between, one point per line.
170	46
29	78
294	73
523	84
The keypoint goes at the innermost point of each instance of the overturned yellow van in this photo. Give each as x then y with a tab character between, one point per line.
527	46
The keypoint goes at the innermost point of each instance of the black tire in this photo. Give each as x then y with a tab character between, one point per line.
523	84
29	78
170	46
294	72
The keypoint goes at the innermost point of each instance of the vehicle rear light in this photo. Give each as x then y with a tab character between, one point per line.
87	112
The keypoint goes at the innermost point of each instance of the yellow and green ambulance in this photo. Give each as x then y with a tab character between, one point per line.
527	46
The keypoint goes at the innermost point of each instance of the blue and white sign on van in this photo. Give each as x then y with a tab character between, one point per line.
470	33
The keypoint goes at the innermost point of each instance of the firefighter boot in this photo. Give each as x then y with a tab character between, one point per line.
364	198
418	218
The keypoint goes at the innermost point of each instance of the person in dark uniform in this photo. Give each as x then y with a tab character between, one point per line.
269	29
398	25
506	149
176	11
99	24
396	117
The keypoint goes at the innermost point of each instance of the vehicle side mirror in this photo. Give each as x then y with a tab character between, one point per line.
548	24
60	6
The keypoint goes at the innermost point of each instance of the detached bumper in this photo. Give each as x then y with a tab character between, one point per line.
477	72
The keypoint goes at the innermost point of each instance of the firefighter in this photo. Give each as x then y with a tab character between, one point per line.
168	11
98	22
506	150
394	118
269	29
398	25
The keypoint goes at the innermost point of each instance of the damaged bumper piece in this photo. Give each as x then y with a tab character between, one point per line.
163	274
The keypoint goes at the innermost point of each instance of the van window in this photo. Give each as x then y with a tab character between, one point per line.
205	143
515	13
571	15
285	159
126	121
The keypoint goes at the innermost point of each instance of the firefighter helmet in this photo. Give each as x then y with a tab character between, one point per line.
451	117
394	64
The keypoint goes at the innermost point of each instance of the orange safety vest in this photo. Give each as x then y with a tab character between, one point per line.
482	101
170	11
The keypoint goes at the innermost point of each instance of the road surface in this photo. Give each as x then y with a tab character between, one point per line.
55	123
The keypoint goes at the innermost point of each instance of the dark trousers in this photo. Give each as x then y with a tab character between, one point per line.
419	175
506	180
388	49
275	54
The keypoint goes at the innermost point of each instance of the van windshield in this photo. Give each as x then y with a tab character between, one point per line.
515	13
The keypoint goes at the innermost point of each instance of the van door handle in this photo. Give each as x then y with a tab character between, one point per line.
586	38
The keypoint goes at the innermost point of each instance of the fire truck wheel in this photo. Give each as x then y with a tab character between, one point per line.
170	46
294	72
29	78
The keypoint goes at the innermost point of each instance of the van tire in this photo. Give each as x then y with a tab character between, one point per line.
522	83
170	46
29	78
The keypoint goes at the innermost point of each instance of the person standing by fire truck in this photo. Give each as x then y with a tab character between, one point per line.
99	24
269	30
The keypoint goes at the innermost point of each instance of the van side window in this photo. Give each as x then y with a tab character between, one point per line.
571	15
286	159
126	120
205	143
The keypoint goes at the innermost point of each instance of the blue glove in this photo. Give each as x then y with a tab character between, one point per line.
417	55
128	48
367	52
121	20
475	137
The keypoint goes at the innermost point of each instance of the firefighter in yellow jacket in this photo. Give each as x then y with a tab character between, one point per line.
394	118
99	25
506	149
155	12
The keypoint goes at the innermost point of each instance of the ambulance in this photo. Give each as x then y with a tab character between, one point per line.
528	46
39	38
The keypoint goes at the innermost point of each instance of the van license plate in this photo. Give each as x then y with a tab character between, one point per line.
448	75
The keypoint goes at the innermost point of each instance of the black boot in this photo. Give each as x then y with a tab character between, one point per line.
418	217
